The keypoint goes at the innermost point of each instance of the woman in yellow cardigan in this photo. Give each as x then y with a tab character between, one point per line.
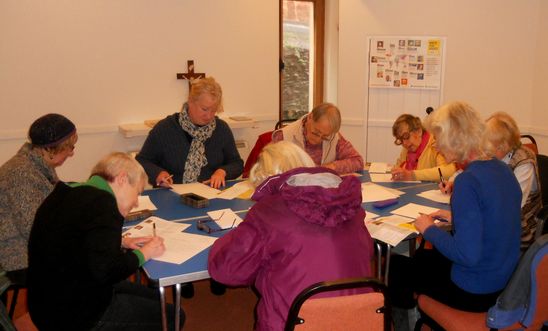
419	159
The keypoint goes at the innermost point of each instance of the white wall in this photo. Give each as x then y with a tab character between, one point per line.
103	63
494	49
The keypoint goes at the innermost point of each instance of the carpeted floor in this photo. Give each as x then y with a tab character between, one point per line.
232	311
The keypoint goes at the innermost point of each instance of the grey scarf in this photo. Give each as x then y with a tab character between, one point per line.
196	158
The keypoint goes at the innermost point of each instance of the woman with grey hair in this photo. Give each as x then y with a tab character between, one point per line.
468	267
318	134
419	159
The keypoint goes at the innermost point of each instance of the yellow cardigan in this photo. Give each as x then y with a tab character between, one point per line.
429	162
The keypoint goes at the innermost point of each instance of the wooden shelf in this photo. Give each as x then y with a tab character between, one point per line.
130	130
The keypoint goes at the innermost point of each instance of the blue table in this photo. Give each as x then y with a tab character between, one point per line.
194	269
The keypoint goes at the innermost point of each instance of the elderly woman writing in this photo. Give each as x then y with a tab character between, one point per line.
318	134
307	226
25	181
469	266
419	159
193	144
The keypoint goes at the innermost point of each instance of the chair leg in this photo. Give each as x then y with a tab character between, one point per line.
13	302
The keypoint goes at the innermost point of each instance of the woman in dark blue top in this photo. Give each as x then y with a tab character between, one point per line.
470	265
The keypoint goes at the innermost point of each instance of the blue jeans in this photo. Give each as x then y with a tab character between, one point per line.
135	307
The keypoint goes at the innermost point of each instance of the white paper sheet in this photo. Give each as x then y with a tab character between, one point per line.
387	233
144	202
196	188
235	190
225	218
378	167
373	192
435	195
413	210
164	228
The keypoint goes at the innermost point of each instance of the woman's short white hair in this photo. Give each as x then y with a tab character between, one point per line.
458	130
502	133
117	162
277	158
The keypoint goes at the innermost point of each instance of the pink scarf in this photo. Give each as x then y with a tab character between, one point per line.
413	157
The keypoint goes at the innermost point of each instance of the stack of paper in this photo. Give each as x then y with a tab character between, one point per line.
143	202
372	192
391	229
196	188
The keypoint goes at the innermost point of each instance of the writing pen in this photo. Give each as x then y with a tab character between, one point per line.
154	229
439	218
441	178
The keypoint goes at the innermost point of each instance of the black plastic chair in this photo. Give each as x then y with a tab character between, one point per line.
367	311
529	142
5	320
542	162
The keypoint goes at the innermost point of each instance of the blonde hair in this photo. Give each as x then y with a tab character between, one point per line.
210	86
414	123
277	158
117	162
458	129
501	133
331	112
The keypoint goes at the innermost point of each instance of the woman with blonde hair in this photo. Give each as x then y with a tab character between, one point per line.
193	145
504	143
307	226
469	266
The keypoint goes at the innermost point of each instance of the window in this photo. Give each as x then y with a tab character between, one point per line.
301	56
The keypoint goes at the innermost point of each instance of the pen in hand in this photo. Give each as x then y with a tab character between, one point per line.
442	181
154	229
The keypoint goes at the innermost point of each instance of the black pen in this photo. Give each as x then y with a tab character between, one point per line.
154	229
441	178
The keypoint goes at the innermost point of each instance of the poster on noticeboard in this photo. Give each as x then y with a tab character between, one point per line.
406	62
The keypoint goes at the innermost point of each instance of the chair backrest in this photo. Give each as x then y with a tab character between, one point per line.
542	162
369	311
525	298
5	321
529	142
263	140
542	221
281	123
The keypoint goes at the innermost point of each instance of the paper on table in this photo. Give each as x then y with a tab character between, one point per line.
369	215
235	190
373	192
413	210
388	233
144	202
196	188
164	229
185	246
225	218
387	178
435	195
378	167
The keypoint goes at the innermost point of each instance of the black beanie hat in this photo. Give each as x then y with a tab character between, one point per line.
50	130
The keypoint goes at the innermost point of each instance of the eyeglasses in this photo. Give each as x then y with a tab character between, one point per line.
321	136
399	140
203	225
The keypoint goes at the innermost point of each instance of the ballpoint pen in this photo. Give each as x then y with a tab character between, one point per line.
154	229
442	181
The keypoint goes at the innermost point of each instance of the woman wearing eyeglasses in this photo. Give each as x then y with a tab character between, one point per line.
419	159
318	134
25	181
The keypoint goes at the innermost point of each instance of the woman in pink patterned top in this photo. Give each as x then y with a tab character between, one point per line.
318	134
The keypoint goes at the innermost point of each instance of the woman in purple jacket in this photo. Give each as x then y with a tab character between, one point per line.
307	226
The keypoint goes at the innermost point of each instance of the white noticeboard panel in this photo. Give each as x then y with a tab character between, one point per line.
405	76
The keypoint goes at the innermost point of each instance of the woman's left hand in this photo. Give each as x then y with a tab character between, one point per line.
135	243
217	179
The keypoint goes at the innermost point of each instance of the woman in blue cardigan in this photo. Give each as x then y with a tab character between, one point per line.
470	265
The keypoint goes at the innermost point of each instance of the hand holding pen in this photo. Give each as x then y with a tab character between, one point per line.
164	179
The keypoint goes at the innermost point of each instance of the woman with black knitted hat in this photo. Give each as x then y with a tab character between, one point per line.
25	181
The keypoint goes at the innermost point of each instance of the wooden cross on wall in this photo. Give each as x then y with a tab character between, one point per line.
190	75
